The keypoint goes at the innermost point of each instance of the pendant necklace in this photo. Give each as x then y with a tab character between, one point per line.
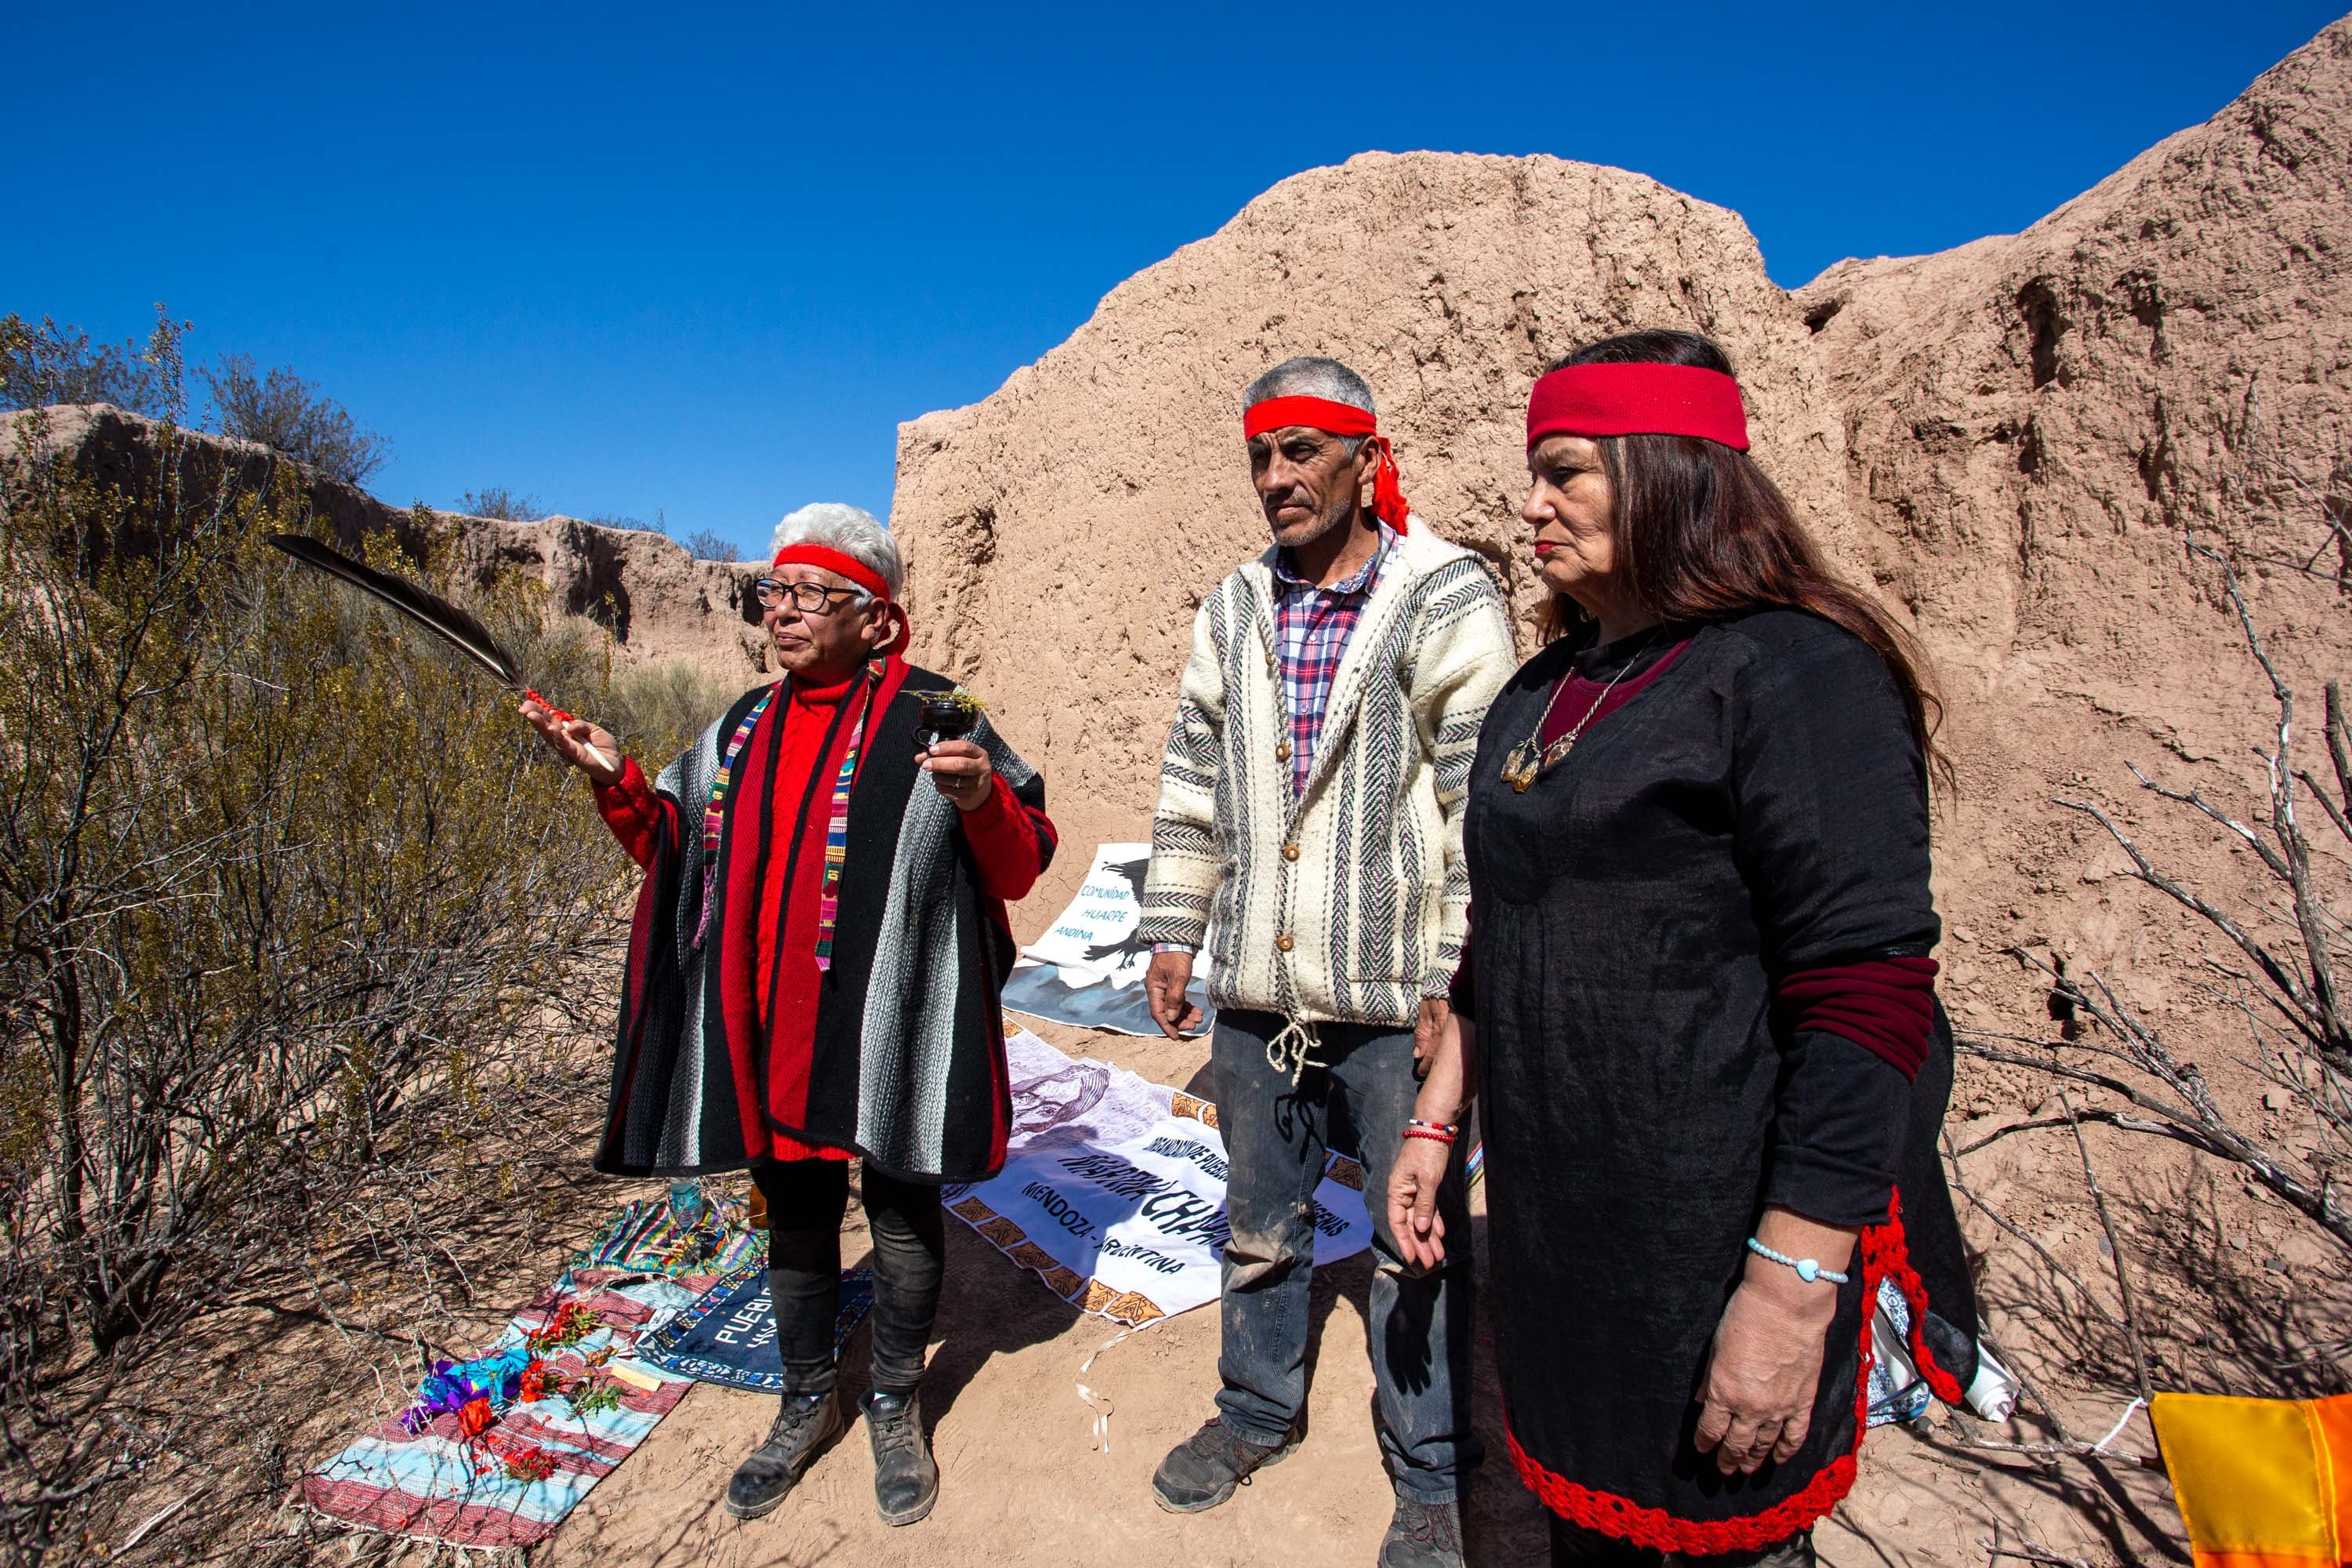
1531	759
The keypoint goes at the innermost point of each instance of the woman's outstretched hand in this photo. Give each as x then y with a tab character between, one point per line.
572	740
1766	1364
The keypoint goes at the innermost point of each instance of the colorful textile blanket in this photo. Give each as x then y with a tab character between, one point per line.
1113	1191
497	1450
728	1337
651	1237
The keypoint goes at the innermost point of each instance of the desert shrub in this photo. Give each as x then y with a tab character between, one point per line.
288	414
656	709
287	886
706	545
629	524
49	364
499	502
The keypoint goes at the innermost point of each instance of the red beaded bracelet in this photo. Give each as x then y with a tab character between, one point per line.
1435	1134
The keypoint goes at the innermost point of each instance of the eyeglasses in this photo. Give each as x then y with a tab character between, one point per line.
809	598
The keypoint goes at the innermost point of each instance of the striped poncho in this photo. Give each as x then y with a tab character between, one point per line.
889	1046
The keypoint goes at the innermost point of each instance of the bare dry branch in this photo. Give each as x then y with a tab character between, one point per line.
2116	1251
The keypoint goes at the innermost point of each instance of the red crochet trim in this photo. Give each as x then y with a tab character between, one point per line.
1622	1517
1655	1527
1883	1247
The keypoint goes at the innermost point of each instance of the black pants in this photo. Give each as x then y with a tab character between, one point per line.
806	1200
1574	1546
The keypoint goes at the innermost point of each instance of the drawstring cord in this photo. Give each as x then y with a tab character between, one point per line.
1287	1051
1100	1403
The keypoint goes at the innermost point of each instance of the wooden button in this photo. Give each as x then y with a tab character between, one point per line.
1290	851
1283	942
1282	751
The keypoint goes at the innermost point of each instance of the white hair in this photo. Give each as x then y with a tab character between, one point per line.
855	532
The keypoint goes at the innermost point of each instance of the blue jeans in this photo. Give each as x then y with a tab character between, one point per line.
1359	1081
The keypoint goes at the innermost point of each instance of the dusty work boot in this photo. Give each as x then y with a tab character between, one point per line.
906	1478
1423	1535
1203	1469
767	1478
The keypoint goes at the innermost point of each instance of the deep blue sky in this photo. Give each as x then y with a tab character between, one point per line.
667	256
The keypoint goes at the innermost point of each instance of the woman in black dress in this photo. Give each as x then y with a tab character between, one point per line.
1700	1009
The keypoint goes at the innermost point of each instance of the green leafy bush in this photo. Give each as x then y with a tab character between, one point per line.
657	708
288	889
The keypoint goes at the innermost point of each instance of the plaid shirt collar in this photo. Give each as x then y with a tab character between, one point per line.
1312	626
1287	580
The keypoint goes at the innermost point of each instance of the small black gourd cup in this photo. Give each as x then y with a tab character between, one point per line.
945	718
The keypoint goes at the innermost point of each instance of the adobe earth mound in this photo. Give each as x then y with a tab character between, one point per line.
2006	439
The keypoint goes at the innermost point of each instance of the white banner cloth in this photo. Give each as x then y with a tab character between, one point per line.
1113	1191
1086	970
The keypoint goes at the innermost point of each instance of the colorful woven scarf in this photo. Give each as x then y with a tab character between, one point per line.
714	810
836	832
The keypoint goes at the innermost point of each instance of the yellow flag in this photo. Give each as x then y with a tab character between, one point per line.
2261	1483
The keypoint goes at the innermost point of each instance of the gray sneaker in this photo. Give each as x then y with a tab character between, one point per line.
767	1478
906	1478
1423	1535
1203	1469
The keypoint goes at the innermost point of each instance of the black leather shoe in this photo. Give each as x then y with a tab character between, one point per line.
1203	1469
1423	1535
766	1479
906	1479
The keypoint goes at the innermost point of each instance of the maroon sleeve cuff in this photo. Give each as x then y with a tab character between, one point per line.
629	809
1885	1006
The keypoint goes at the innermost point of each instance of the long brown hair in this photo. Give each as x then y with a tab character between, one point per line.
1701	534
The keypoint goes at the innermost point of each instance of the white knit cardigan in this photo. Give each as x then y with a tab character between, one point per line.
1347	902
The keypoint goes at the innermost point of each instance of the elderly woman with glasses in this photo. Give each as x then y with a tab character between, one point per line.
814	973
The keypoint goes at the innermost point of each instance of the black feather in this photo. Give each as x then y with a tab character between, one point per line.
445	620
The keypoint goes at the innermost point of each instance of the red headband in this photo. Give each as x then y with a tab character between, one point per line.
1341	419
1637	400
858	572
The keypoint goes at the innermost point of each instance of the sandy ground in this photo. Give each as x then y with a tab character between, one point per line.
1022	1481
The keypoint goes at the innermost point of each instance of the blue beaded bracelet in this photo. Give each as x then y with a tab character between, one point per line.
1807	1269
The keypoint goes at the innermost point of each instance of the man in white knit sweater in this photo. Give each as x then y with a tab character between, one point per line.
1309	824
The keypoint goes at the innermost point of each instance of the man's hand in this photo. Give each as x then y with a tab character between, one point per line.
1766	1364
576	740
1414	1219
1435	1013
961	771
1163	989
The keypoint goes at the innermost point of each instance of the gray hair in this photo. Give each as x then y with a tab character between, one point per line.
855	532
1312	376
